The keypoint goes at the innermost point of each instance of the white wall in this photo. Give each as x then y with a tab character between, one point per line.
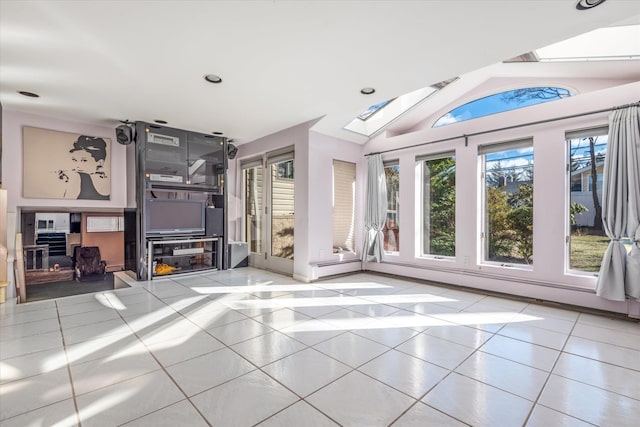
548	278
298	137
322	151
12	124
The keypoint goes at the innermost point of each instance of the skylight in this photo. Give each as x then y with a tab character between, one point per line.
603	44
501	102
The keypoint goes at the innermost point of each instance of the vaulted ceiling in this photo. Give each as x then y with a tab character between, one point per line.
281	62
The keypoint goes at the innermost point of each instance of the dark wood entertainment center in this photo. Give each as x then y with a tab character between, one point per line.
178	223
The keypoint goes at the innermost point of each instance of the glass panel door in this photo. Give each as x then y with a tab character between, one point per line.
253	208
281	216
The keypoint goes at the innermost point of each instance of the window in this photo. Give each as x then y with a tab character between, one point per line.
507	171
587	240
344	181
501	102
438	205
285	170
391	228
253	207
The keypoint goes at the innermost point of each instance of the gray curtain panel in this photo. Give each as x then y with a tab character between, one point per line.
632	276
622	153
375	210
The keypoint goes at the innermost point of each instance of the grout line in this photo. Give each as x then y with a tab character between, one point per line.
66	356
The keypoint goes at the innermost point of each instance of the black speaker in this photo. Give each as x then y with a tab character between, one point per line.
232	150
124	135
214	222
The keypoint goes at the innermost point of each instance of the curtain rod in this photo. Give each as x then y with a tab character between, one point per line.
466	136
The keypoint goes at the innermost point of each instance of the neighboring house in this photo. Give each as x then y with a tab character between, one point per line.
581	192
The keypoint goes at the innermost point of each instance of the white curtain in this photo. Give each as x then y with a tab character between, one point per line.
621	207
375	210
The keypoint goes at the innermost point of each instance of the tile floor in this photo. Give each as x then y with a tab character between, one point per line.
247	347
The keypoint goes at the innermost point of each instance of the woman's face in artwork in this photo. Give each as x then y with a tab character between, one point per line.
83	161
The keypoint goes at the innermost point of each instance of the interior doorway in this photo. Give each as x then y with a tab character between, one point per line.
55	243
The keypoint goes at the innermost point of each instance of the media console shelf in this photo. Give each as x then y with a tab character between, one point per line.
168	257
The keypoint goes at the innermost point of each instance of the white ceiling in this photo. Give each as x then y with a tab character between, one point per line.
282	62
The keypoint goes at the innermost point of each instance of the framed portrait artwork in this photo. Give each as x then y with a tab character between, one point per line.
63	165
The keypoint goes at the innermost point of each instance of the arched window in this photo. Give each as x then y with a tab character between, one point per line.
501	102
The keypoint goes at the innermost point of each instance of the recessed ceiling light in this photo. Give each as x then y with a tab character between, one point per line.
588	4
367	90
212	78
29	94
161	122
217	133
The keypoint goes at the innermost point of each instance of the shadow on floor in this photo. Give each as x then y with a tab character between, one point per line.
64	289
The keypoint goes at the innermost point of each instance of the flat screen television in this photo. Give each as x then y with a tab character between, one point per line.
171	217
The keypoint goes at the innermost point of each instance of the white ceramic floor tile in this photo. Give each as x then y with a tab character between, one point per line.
243	401
545	417
621	325
562	326
490	321
178	329
436	350
295	414
22	330
31	393
612	378
306	371
61	414
317	311
374	310
351	349
179	349
423	415
535	335
35	343
463	335
92	375
551	312
83	307
362	317
242	330
607	335
388	334
209	316
427	308
504	374
209	370
115	346
127	400
590	404
10	309
88	318
417	322
95	330
20	317
268	348
178	414
346	320
476	403
408	374
312	332
521	352
30	364
607	353
281	319
357	400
